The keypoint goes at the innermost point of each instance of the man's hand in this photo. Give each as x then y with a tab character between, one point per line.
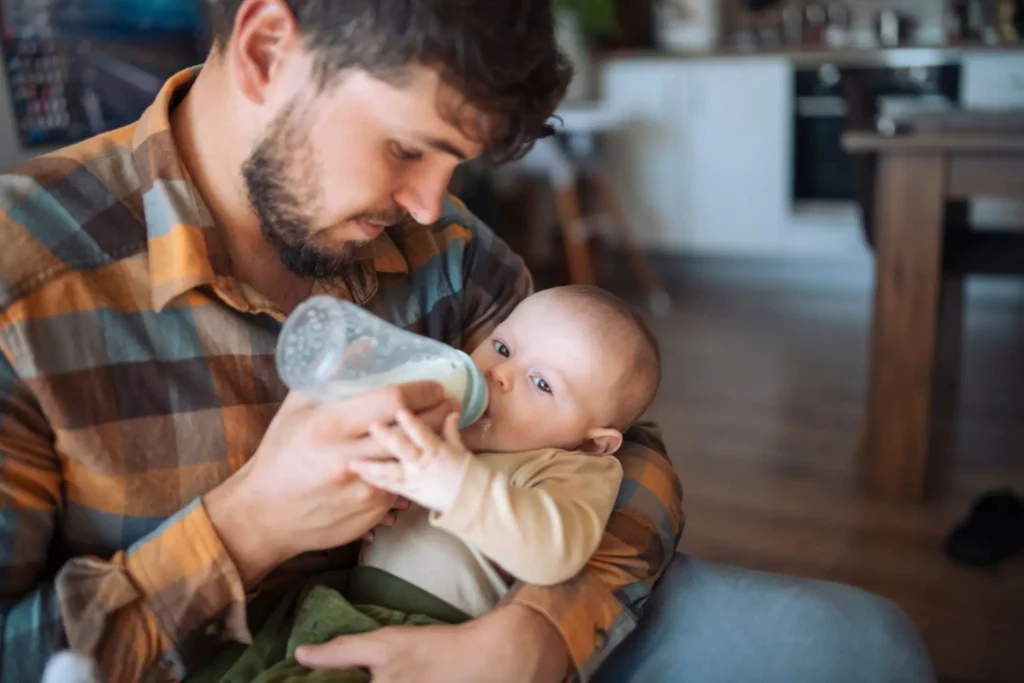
513	644
401	505
297	494
426	469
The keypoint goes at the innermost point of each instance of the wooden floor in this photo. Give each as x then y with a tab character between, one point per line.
761	405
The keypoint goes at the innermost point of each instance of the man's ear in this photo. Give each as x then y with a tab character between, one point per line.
601	441
264	32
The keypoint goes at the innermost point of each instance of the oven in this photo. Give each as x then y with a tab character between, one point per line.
821	168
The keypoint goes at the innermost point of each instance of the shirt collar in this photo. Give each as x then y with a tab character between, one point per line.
384	254
186	248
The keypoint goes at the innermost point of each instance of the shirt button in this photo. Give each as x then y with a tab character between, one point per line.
600	639
212	629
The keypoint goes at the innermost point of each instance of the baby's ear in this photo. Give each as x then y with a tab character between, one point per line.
601	441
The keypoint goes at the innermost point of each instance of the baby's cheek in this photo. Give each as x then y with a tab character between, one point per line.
479	355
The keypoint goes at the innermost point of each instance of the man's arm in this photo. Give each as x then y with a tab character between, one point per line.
597	609
171	598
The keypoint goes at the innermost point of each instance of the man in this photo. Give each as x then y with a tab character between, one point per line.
153	475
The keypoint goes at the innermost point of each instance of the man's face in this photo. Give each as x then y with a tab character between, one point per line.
333	170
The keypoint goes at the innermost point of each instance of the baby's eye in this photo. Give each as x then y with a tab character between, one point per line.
542	384
502	349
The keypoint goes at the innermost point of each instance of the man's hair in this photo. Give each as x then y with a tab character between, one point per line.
500	55
622	324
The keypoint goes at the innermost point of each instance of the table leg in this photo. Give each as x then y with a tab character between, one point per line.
908	278
946	387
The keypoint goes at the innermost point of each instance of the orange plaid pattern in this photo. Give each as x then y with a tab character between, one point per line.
136	374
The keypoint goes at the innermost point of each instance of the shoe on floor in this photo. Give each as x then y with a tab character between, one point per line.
993	530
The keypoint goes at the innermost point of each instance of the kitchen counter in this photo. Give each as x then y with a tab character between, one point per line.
705	160
908	56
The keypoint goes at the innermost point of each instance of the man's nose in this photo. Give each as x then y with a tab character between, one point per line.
423	198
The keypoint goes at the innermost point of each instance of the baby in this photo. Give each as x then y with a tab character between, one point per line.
523	494
567	372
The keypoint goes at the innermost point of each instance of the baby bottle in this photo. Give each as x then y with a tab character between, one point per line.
331	349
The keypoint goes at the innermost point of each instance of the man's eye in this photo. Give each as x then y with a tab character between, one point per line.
403	154
502	349
541	384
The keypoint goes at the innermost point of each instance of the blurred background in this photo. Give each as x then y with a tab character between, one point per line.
820	208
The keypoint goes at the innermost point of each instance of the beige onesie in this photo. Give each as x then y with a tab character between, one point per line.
535	516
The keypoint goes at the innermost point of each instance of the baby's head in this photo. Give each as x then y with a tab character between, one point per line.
571	367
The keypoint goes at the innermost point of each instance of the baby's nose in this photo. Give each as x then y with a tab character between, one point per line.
500	376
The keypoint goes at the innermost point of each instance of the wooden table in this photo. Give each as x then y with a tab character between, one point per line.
917	172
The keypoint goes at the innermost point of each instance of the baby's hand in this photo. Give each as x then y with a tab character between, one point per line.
427	469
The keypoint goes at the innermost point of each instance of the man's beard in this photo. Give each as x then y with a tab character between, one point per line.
283	161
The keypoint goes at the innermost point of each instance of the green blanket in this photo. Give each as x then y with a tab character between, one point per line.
339	603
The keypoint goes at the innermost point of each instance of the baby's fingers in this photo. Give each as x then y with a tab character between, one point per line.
417	431
395	442
383	474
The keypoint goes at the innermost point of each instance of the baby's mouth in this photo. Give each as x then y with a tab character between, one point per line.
485	420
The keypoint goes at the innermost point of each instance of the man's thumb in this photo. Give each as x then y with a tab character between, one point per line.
344	652
451	430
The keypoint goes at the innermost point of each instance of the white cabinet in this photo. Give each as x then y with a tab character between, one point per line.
648	158
738	118
703	162
994	80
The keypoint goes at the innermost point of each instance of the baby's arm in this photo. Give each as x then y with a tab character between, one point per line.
541	525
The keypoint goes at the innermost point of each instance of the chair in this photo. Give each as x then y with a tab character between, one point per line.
569	162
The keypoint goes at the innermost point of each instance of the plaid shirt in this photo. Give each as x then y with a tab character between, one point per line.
136	374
